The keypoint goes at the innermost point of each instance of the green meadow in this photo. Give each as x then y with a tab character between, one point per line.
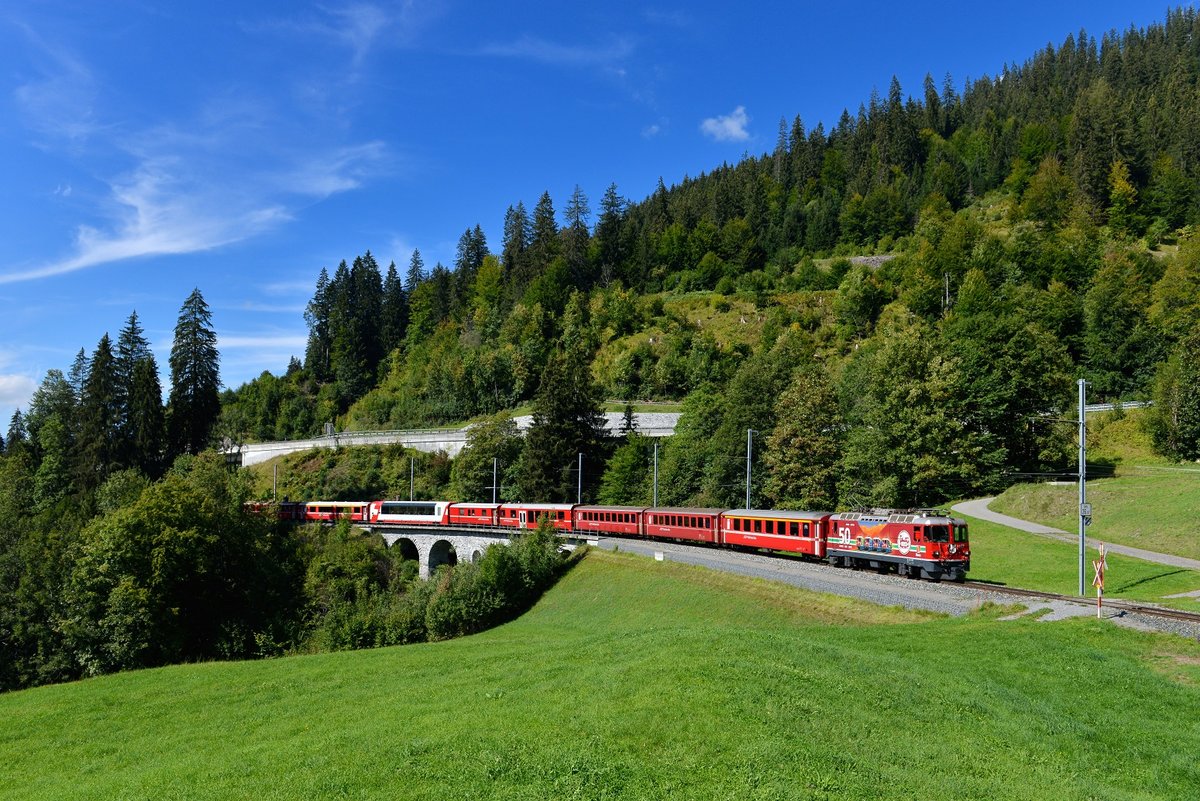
636	679
1014	558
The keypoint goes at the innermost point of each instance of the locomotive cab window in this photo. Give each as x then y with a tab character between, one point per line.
960	533
937	534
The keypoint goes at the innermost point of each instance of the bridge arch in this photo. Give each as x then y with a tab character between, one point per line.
408	548
441	553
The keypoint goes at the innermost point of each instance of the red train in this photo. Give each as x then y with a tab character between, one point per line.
920	543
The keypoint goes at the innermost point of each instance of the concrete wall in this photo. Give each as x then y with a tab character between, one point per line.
432	440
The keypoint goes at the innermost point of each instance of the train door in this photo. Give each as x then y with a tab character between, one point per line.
522	519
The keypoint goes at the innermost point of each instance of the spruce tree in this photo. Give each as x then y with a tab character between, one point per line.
395	310
100	418
415	274
567	421
316	314
16	432
145	427
195	378
132	347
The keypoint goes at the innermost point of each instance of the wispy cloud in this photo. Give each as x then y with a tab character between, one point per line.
728	128
564	55
216	177
59	101
15	390
360	27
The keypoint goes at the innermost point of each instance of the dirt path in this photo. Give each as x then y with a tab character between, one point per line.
979	508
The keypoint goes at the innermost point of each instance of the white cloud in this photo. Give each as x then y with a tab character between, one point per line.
535	49
15	390
651	131
205	179
728	128
59	102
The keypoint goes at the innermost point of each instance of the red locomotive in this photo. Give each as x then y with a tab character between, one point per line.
918	543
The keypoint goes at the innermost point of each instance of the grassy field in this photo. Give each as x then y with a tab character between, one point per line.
636	679
1017	559
1153	508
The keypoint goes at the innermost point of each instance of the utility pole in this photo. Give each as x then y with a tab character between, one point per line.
655	473
579	484
1085	509
495	465
749	453
411	470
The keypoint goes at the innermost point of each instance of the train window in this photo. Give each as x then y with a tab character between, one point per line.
937	534
807	531
737	523
758	527
608	516
770	526
960	533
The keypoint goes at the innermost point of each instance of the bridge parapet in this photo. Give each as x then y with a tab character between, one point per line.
428	440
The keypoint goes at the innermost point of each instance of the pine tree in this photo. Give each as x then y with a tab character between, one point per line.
513	252
77	377
1122	201
415	274
15	438
194	402
609	239
316	314
545	242
145	426
395	310
132	347
100	418
567	421
576	239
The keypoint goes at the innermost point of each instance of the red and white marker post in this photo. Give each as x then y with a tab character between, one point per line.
1099	566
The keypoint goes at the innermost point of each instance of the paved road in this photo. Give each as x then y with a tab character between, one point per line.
979	508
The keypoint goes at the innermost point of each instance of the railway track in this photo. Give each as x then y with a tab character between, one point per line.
1131	607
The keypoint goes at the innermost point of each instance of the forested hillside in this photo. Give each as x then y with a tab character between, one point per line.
1037	227
896	309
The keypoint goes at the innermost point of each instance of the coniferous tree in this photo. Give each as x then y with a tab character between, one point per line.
77	376
514	255
567	421
368	313
415	274
395	310
145	424
15	438
316	314
132	347
100	418
609	239
576	239
194	403
544	240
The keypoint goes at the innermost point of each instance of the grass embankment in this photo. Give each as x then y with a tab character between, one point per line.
1155	509
635	679
1018	559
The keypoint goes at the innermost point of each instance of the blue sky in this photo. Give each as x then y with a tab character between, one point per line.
149	148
